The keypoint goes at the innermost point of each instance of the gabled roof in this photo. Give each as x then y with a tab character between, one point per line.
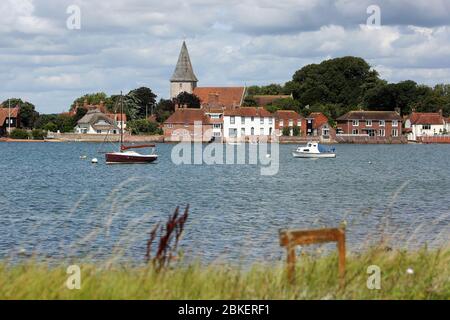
319	119
187	116
226	97
370	115
287	115
94	116
4	114
264	100
426	118
184	71
248	112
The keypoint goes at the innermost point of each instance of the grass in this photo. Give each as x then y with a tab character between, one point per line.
317	278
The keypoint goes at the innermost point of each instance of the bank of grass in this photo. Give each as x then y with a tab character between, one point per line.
317	278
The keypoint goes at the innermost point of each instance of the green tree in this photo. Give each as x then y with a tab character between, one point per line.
164	110
38	134
92	99
296	131
143	126
28	114
19	134
145	101
185	98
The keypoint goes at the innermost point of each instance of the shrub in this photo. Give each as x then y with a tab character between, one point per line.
143	126
38	134
296	131
19	134
286	132
50	126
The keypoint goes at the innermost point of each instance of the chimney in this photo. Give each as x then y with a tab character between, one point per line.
413	109
440	112
398	110
213	98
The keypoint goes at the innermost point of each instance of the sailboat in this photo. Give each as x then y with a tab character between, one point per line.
126	155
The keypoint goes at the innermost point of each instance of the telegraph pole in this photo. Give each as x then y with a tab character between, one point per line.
9	116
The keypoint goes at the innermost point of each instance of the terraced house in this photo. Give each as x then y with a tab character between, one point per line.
423	124
380	125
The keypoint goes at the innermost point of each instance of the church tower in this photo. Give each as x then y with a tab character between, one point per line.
183	78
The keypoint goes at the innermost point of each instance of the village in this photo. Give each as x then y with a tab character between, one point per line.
224	117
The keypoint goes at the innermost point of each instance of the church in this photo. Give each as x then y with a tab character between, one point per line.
184	80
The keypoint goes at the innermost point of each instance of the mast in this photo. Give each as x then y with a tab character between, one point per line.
121	120
9	116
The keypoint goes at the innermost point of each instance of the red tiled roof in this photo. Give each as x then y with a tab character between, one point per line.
117	116
224	96
187	116
287	115
264	100
248	112
319	119
4	114
370	115
426	118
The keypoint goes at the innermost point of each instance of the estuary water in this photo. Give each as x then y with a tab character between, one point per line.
54	204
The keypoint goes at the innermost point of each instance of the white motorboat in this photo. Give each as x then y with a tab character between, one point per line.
314	150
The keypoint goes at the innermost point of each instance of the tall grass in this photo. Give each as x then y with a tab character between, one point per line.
423	274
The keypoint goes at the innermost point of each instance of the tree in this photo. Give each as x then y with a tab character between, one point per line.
164	110
340	81
145	99
284	104
188	99
143	126
19	134
91	99
28	114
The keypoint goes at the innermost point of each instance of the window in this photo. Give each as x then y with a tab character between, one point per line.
355	123
355	131
299	123
270	120
217	126
261	120
170	126
382	123
253	119
381	133
232	132
426	127
99	131
242	132
253	131
395	123
261	131
368	123
394	132
291	123
281	123
242	120
232	120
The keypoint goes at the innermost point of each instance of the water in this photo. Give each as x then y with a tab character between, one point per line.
53	204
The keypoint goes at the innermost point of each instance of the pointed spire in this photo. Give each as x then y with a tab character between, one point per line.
183	71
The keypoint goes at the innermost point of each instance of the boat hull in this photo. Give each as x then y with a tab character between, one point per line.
123	158
313	155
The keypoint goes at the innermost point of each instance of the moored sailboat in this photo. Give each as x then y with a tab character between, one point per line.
126	155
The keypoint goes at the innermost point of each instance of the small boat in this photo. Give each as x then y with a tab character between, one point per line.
314	150
126	156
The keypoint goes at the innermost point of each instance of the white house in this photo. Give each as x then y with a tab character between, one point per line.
96	122
246	122
425	124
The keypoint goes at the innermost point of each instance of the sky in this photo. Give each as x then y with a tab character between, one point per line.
123	45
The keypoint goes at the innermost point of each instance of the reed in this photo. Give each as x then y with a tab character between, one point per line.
421	274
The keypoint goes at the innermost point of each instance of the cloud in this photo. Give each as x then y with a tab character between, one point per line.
123	45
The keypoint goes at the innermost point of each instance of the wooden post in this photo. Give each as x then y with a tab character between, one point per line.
292	238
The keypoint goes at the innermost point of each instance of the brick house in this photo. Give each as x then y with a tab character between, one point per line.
9	119
380	124
288	119
181	126
317	125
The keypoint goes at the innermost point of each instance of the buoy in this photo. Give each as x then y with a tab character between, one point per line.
95	160
267	155
370	162
83	157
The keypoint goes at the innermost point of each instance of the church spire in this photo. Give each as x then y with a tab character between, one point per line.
184	71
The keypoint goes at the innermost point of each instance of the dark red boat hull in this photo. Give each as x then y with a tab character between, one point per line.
112	158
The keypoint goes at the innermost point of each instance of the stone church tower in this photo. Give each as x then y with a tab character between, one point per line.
183	78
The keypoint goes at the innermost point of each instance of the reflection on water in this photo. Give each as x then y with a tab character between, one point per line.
55	204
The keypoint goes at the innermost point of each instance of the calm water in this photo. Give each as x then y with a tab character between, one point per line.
55	205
